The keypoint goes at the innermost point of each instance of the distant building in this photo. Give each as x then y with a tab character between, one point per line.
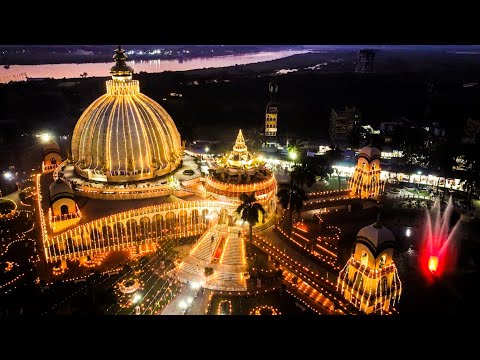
436	130
471	131
365	61
271	113
389	127
342	123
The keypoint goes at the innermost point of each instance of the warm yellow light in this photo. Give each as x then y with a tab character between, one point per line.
433	264
45	137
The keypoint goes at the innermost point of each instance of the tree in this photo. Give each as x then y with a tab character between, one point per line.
22	196
354	138
304	173
294	150
471	173
291	198
333	156
208	271
307	171
442	159
249	210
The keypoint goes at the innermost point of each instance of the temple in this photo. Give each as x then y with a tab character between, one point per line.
239	171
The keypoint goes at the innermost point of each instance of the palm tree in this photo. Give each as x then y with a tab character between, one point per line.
291	198
249	210
294	150
334	155
306	173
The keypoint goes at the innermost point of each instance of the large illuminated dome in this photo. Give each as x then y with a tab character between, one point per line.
124	135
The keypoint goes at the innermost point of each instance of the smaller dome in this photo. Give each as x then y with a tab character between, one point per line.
376	234
50	147
369	152
59	189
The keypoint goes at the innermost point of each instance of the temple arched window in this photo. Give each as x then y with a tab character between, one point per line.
364	259
383	260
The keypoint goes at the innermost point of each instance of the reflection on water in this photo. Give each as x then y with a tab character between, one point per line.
59	71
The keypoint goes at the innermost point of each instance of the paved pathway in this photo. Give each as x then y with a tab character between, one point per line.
197	307
200	303
173	308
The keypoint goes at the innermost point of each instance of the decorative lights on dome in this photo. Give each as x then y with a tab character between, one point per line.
124	135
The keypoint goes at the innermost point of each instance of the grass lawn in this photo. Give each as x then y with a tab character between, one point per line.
6	206
419	192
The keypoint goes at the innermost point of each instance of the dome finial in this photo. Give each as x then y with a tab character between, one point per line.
120	69
378	223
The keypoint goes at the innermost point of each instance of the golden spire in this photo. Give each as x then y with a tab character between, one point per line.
240	143
120	70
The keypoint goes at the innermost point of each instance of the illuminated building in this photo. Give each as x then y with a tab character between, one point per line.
51	156
240	171
121	144
271	112
63	210
124	135
365	182
365	61
370	278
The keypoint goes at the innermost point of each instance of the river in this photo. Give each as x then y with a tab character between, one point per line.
59	71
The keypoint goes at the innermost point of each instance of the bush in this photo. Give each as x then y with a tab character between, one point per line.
22	196
208	271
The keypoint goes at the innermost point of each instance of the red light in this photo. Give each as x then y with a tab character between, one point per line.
433	264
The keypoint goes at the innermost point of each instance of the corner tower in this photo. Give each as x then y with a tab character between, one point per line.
365	182
370	278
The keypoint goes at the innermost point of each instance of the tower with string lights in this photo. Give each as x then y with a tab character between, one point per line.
365	182
370	278
271	112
